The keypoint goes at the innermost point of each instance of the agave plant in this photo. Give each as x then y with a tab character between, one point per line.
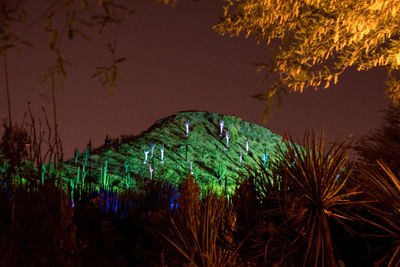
301	197
384	190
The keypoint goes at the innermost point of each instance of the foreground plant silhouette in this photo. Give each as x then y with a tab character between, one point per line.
303	195
198	232
383	190
307	208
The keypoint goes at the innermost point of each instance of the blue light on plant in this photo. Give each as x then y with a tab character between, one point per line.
265	157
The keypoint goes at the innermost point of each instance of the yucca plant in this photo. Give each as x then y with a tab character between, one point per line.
301	197
199	231
384	192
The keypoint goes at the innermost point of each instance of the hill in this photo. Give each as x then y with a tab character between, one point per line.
166	151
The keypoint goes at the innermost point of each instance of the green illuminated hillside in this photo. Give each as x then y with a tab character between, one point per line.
214	163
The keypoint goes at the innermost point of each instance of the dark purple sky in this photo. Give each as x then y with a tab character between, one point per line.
177	62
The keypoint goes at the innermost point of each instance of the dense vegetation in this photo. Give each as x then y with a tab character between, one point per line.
203	152
309	207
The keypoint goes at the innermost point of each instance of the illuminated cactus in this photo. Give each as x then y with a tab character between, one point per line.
43	172
115	203
162	153
101	182
151	172
221	170
72	192
76	155
127	179
83	175
86	156
247	146
227	138
78	174
240	158
105	175
105	172
187	128
191	166
126	164
146	152
265	157
127	173
221	127
51	169
152	149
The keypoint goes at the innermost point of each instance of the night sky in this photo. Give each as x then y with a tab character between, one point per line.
176	62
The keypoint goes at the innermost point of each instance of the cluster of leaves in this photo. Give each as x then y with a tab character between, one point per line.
315	41
65	19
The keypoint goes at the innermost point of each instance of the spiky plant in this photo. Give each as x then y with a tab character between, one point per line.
307	195
256	204
384	191
199	231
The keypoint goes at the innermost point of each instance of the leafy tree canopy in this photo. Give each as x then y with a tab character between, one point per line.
314	41
64	20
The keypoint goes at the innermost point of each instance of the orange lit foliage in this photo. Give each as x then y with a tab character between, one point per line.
319	39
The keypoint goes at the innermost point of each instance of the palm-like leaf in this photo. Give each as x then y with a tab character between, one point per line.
384	190
309	194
